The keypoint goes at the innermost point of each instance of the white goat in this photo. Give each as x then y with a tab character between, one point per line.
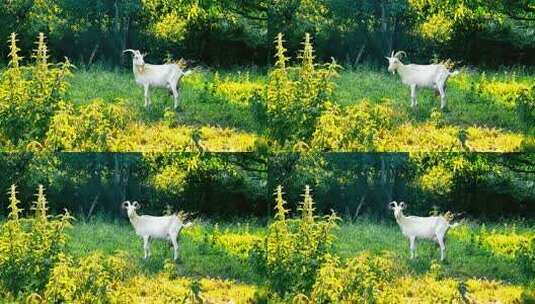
432	76
432	228
163	76
155	227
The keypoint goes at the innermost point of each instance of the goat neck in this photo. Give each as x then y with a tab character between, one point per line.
139	69
133	217
401	69
400	217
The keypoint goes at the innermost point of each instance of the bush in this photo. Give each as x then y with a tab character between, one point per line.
30	247
86	281
353	128
29	95
294	249
359	280
296	97
92	127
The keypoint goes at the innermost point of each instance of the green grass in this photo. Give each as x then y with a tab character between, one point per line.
217	252
379	86
197	109
198	259
486	119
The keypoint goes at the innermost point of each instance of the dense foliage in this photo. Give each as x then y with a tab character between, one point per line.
295	97
96	183
229	31
29	94
353	184
293	249
479	184
30	247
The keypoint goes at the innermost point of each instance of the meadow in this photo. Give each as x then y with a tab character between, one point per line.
219	253
290	106
482	115
292	258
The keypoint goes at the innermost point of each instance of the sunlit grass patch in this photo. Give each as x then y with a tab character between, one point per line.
238	244
493	140
411	137
162	289
428	289
162	138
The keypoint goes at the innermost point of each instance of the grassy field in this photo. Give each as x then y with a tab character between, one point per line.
220	252
220	104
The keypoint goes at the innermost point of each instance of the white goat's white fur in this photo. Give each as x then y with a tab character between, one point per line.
431	76
151	75
432	228
155	227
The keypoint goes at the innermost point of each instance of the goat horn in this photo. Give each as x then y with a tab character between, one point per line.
398	54
129	50
392	55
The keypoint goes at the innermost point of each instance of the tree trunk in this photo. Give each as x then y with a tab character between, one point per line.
93	53
93	205
359	56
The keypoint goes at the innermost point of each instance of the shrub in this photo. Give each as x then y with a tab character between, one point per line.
29	95
353	128
86	281
92	127
359	280
294	249
30	247
296	97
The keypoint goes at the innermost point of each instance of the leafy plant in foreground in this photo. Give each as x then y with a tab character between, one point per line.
296	97
294	249
30	247
29	95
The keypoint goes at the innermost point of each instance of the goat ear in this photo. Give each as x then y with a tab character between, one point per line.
392	205
125	204
402	205
387	58
136	205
